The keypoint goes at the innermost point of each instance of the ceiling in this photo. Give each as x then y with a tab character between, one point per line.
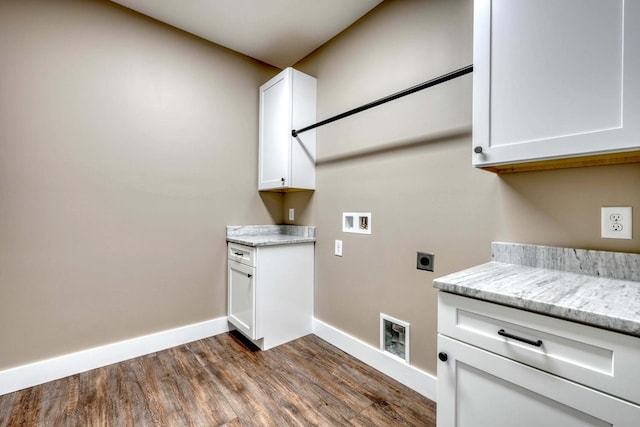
278	32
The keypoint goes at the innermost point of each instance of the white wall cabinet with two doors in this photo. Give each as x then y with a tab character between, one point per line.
270	291
287	102
504	367
556	80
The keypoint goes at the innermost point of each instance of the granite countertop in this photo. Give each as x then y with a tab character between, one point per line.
597	288
269	235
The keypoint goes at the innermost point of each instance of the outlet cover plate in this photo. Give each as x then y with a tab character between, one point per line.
616	222
338	248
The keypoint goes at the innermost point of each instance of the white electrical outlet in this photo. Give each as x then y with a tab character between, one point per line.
292	214
338	248
616	222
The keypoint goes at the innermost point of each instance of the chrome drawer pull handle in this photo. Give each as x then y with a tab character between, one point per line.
503	333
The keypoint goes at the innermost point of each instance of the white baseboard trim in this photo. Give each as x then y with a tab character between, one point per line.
25	376
21	377
412	377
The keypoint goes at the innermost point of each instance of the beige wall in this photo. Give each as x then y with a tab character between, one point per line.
409	163
562	207
126	147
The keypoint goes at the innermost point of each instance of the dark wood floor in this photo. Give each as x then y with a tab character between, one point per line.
220	381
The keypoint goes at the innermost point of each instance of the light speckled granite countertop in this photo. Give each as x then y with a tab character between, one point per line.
269	235
592	287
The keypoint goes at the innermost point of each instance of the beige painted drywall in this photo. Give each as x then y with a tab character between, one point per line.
562	207
409	163
126	147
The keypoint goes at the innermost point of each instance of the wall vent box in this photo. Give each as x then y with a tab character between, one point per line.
394	337
356	222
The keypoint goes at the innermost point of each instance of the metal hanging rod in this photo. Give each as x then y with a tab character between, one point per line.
433	82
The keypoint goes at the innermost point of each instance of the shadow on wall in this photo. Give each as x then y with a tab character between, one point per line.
301	202
381	149
274	202
562	207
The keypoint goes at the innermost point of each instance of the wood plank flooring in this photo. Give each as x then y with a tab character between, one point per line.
223	381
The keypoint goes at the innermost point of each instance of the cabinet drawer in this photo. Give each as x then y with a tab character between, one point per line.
590	356
243	254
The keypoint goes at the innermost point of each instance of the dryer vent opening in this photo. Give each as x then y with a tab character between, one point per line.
394	337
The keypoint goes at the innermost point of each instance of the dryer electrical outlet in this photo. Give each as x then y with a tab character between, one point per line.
425	261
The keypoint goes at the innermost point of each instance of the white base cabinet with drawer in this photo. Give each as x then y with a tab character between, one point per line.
538	371
270	292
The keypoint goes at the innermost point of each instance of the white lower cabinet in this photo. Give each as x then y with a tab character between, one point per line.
270	292
499	384
242	298
478	388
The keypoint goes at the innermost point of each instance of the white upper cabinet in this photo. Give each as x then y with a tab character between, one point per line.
287	102
555	80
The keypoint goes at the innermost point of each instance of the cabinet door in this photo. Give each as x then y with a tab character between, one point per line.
275	132
242	298
478	388
555	79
